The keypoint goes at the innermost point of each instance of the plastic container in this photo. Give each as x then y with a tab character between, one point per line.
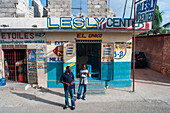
3	81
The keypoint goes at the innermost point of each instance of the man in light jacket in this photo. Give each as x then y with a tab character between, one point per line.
84	73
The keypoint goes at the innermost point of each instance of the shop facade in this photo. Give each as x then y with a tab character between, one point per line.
22	53
107	56
104	46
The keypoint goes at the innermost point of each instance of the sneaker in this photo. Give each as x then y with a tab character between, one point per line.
72	108
78	98
84	98
65	107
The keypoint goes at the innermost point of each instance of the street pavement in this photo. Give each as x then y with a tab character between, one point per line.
152	95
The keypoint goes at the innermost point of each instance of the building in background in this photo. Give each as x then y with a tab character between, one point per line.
38	9
99	8
59	8
81	15
110	13
20	8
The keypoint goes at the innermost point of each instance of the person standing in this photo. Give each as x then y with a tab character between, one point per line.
83	82
67	79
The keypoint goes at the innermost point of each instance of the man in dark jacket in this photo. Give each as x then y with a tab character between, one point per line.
67	79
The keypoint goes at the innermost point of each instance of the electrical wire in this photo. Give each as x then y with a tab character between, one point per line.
131	9
124	9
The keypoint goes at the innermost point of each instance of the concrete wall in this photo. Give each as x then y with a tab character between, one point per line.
110	13
59	8
20	8
38	8
15	8
97	8
8	8
157	51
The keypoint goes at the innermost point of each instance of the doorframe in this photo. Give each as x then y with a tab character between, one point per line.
100	42
14	55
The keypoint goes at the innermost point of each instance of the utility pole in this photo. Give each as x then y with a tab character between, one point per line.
134	32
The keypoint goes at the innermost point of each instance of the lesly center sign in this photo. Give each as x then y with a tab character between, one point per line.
145	10
94	23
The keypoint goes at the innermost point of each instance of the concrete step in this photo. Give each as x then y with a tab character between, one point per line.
12	85
94	91
92	84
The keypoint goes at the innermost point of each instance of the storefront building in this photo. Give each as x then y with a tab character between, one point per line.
104	45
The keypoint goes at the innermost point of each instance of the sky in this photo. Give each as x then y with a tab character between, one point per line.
118	7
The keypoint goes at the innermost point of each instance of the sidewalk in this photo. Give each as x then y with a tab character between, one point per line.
151	95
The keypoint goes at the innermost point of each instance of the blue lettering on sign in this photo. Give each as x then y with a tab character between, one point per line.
38	50
42	67
54	59
40	34
77	22
145	10
119	55
40	53
60	42
65	22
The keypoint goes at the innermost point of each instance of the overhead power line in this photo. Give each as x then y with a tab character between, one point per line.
131	9
124	9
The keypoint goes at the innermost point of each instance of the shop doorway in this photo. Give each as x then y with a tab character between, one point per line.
15	64
89	54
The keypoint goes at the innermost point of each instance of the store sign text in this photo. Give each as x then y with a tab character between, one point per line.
145	10
22	38
94	23
55	59
17	35
92	35
77	22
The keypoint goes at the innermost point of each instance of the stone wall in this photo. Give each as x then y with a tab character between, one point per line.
97	8
59	8
157	51
8	8
110	13
20	8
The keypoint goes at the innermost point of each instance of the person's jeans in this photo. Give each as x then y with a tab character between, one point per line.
71	91
81	86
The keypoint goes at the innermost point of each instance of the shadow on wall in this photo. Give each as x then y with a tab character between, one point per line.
35	98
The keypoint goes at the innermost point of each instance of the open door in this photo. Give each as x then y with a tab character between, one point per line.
69	56
107	60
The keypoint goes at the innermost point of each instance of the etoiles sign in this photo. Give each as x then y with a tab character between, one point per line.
94	23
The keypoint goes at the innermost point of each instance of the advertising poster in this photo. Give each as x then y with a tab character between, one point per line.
31	55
